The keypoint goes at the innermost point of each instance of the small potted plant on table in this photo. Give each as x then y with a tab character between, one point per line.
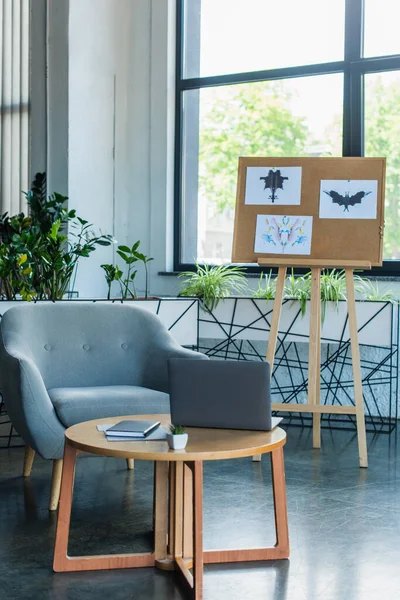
177	438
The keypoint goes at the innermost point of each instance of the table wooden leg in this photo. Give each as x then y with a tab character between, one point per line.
160	510
195	579
280	504
198	530
281	548
171	520
187	512
63	562
168	563
178	516
64	511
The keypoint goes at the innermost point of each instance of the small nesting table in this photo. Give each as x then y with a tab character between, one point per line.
178	498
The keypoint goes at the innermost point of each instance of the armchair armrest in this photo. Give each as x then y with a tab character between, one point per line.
26	399
162	348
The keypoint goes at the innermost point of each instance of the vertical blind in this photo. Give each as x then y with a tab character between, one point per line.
14	98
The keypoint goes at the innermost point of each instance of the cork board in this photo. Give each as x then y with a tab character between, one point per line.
331	229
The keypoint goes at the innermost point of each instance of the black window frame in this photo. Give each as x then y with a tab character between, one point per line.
354	67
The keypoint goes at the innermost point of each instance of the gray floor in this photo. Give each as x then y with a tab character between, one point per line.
344	526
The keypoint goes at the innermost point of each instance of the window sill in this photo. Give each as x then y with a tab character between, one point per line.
388	278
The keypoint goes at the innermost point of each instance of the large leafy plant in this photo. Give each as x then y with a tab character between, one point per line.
38	259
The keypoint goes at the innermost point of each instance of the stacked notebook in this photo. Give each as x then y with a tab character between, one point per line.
125	431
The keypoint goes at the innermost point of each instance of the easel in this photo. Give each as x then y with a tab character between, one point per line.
314	356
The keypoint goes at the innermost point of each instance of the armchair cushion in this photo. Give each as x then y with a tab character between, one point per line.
76	404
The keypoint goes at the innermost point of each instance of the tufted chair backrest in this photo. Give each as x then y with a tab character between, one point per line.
78	344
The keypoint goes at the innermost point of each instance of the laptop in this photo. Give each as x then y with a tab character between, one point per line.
225	394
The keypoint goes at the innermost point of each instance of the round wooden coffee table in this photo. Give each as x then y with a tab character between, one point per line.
178	497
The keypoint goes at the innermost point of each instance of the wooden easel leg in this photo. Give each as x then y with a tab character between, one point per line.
314	353
276	315
273	334
317	416
355	356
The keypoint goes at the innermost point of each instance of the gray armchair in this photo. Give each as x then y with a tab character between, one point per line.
64	363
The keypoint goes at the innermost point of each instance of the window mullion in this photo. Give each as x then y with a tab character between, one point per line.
178	135
353	105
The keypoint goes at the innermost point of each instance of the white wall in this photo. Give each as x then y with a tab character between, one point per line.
93	60
120	106
57	95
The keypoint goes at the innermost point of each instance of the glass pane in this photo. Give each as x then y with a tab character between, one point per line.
382	138
233	36
381	26
295	117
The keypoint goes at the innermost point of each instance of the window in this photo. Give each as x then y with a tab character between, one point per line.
382	18
231	36
382	138
257	77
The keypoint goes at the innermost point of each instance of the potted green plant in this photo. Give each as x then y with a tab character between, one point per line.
130	256
38	260
299	288
145	260
112	273
369	290
266	287
177	438
213	283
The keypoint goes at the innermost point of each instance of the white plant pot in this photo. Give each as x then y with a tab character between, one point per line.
177	442
248	319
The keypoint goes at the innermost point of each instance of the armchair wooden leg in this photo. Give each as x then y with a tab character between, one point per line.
56	484
28	461
130	463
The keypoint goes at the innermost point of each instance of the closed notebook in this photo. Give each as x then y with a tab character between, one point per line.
156	435
138	429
